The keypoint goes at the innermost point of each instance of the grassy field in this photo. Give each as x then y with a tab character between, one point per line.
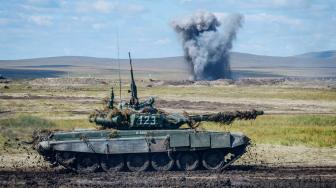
269	92
232	91
289	130
45	99
307	115
20	128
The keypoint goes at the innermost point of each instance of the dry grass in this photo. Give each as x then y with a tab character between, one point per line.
20	128
263	92
27	114
288	130
308	130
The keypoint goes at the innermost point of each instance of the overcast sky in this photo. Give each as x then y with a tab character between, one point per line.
41	28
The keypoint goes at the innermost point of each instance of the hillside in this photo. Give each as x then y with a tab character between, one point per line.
314	64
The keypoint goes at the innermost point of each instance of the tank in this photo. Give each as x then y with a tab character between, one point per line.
136	136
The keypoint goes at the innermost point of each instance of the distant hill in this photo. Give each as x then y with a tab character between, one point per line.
313	64
331	54
313	59
83	61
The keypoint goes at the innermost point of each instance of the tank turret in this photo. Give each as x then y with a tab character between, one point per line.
137	115
133	120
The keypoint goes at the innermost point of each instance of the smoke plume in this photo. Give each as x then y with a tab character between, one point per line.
206	45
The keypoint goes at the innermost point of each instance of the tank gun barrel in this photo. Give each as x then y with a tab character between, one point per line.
226	117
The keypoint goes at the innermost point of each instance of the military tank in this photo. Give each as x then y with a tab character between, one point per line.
136	136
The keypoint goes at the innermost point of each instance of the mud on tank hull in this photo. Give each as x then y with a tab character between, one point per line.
138	150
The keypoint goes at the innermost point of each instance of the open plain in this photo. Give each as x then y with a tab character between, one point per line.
294	143
262	73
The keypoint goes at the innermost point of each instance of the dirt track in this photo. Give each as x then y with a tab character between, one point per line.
203	106
236	176
261	166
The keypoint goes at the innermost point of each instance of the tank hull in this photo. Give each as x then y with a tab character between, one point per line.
179	147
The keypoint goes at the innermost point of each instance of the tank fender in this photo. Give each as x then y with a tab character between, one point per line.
239	139
43	146
115	146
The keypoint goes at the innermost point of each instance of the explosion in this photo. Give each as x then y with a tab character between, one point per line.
206	45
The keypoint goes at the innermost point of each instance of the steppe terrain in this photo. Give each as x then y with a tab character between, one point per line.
294	143
243	65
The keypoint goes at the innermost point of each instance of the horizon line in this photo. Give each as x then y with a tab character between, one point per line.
160	57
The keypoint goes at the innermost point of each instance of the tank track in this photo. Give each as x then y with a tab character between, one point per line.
238	152
178	160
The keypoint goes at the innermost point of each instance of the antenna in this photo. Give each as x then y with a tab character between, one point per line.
118	64
134	97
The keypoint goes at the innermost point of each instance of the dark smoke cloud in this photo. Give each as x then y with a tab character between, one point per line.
206	45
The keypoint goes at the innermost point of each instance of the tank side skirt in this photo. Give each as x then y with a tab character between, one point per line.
113	146
174	142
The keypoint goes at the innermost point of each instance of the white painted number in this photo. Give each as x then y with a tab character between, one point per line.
140	120
147	120
153	122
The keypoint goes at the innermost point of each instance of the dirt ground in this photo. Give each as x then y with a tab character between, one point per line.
236	176
171	104
261	166
76	97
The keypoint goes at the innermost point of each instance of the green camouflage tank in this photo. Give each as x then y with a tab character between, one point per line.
137	136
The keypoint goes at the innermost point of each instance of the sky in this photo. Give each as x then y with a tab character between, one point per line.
45	28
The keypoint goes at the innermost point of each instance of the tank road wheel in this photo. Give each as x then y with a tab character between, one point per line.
213	159
137	162
112	163
187	161
162	162
66	159
87	163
